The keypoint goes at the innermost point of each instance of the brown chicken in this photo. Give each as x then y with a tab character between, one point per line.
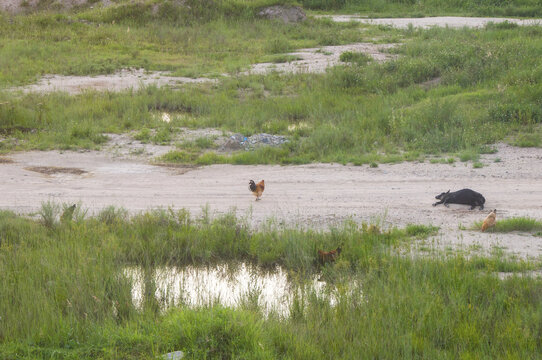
257	189
328	256
490	220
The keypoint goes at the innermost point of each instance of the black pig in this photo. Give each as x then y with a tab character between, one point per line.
463	196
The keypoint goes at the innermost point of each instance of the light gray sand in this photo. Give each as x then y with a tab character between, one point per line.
309	195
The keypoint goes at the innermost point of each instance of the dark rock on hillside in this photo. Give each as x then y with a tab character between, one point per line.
238	141
288	14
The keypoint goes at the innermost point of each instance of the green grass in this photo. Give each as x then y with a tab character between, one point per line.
96	42
522	224
357	58
357	113
61	279
413	8
352	114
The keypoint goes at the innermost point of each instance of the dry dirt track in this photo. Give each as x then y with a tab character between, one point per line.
428	22
315	195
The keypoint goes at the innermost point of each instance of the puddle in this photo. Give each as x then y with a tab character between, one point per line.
229	285
51	170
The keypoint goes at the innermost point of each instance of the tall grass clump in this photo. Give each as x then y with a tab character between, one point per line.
522	224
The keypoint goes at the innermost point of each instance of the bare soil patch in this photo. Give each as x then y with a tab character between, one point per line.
312	60
317	60
427	22
51	170
315	195
4	160
123	80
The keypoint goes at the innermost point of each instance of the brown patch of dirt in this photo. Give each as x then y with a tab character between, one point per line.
4	160
51	170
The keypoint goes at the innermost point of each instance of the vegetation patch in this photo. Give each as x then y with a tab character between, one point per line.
522	224
63	284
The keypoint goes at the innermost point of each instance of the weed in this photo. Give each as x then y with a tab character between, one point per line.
514	224
528	140
357	58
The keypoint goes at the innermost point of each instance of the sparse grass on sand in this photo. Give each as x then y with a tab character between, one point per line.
356	113
522	224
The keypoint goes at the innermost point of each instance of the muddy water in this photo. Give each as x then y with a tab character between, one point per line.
228	285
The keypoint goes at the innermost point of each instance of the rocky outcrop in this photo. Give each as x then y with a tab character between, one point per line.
286	13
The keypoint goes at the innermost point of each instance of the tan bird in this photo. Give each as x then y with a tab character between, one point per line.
490	220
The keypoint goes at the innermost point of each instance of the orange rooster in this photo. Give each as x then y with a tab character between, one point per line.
257	189
328	256
490	220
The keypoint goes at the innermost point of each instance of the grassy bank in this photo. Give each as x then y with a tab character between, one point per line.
522	224
101	42
487	89
64	295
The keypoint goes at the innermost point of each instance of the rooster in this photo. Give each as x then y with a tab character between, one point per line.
328	256
257	189
490	220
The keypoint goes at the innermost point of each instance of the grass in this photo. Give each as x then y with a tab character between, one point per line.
99	42
355	114
411	8
61	280
522	224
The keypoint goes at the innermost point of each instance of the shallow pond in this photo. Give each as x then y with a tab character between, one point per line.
230	285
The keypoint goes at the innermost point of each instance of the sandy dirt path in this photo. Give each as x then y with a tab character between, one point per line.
309	195
427	22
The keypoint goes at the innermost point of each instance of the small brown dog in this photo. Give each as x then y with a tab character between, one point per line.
328	256
490	220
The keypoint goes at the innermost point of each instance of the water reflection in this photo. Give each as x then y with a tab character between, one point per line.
230	285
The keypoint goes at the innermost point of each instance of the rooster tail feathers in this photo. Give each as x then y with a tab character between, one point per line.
251	185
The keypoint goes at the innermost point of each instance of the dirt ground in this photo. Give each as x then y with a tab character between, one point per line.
122	80
317	60
318	195
427	22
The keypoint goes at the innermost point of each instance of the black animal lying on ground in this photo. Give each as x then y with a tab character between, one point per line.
463	196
